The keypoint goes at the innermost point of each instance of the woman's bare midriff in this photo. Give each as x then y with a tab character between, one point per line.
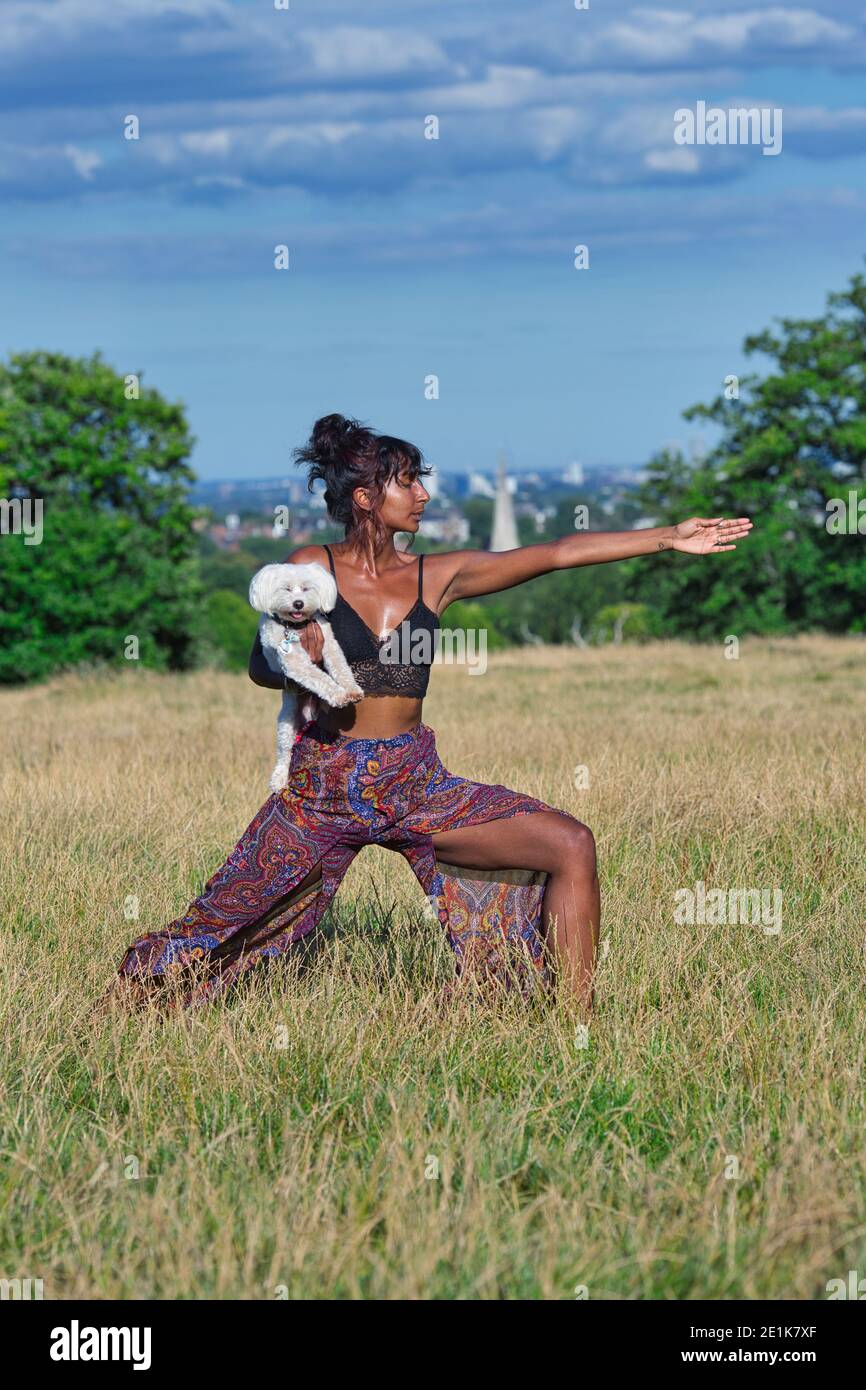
376	716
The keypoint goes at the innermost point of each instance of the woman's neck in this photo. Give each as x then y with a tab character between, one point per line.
369	561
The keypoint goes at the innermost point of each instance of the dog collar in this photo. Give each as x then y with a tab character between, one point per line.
291	637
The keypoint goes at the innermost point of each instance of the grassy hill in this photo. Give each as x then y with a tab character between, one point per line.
330	1134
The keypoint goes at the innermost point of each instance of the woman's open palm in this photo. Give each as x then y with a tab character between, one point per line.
702	535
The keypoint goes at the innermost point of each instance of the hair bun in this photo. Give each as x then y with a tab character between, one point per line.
330	436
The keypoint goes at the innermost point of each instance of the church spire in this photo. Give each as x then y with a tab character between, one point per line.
504	535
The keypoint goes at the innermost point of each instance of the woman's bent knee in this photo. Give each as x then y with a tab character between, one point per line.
576	846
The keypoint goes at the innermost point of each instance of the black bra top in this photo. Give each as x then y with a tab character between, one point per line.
378	672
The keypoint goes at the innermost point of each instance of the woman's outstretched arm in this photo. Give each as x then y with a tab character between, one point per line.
476	572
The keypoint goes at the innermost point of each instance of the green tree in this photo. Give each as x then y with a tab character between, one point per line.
554	607
116	559
232	628
478	511
562	522
228	569
624	622
793	441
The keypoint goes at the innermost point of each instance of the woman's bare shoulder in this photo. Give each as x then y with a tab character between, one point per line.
307	555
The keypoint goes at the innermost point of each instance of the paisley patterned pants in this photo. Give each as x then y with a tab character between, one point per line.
344	793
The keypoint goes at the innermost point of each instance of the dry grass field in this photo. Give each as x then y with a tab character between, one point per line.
330	1133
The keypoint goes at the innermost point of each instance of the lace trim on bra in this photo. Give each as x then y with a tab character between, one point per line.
377	677
362	647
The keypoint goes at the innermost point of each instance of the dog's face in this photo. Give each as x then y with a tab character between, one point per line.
293	593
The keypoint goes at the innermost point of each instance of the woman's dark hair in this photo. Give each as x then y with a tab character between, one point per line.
345	455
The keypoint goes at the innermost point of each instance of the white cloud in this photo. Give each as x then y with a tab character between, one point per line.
666	39
84	162
662	35
312	134
729	34
822	118
334	109
675	161
371	53
207	142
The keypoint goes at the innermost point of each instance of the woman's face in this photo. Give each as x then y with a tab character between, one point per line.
403	501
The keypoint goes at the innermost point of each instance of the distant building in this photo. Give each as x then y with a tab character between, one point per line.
457	484
479	486
451	530
504	533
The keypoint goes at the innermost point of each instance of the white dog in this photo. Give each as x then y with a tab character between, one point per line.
287	595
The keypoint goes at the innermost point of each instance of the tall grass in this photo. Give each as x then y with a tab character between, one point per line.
330	1132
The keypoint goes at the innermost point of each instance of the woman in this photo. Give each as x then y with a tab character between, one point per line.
512	880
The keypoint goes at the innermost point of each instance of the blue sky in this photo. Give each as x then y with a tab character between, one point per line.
412	257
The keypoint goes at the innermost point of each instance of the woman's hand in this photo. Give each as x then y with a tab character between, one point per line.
312	641
702	536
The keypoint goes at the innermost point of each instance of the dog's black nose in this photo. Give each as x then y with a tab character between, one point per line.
298	604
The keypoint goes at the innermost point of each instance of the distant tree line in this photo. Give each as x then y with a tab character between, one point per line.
119	574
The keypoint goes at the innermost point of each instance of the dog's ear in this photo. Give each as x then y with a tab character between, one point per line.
262	588
327	587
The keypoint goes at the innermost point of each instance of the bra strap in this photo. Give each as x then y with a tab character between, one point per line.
331	562
421	576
